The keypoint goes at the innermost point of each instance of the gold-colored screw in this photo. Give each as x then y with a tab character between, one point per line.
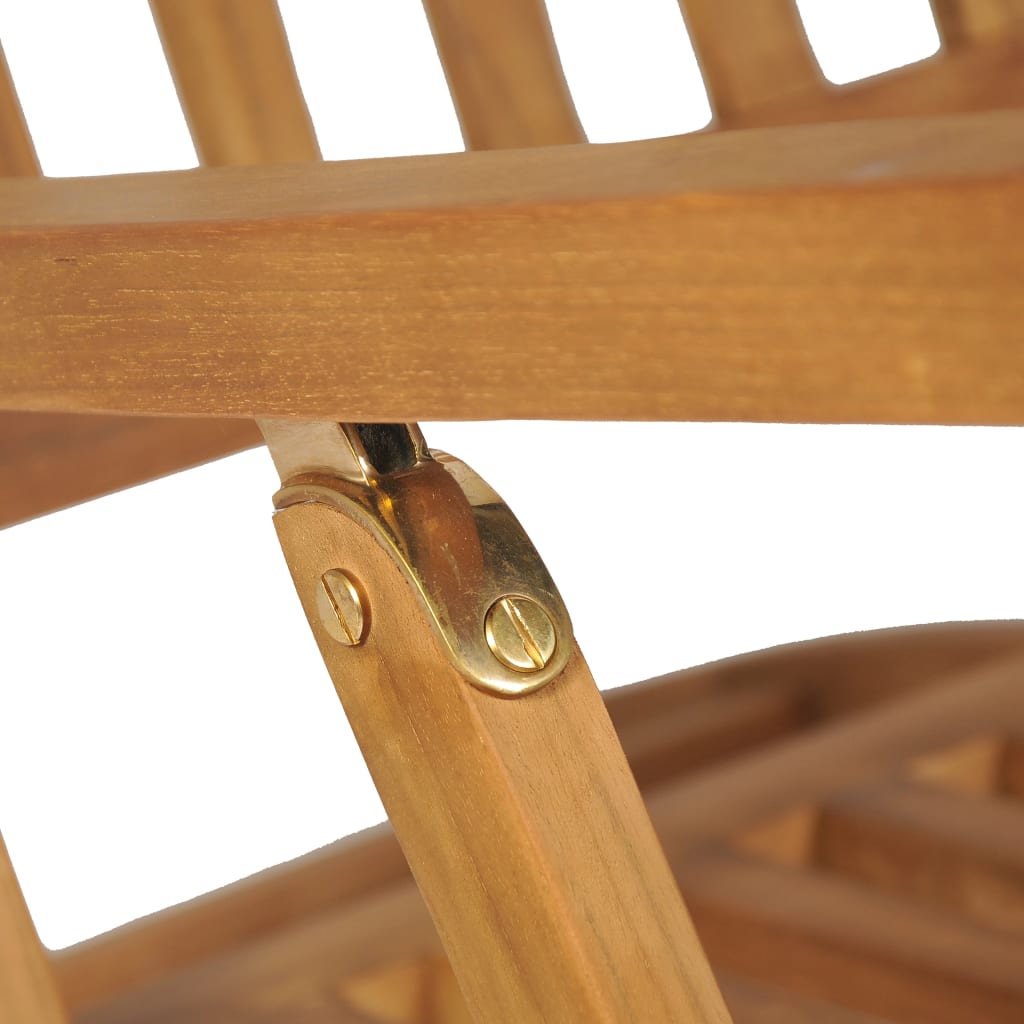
341	607
520	633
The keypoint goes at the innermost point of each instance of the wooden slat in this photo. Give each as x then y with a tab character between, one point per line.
764	74
829	677
832	939
873	745
833	273
963	22
525	808
686	720
750	54
986	76
1011	780
387	944
49	461
28	988
754	1002
236	81
971	767
248	912
504	73
423	992
963	852
293	975
17	154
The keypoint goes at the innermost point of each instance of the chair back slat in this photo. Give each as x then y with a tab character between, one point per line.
751	54
28	988
17	154
504	74
962	22
236	81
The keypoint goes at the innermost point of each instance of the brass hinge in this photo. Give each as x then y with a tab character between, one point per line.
487	594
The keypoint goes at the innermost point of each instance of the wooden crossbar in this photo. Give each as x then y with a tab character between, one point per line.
829	273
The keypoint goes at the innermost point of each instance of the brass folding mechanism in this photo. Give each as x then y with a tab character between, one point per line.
487	594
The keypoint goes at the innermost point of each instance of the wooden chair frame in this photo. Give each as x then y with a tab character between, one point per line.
821	254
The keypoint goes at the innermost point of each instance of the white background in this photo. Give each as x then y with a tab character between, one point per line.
165	723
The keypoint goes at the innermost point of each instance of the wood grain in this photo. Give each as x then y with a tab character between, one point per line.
834	273
283	938
828	938
751	54
236	81
962	852
761	72
815	680
49	461
1011	776
520	820
962	23
28	987
17	154
504	73
687	720
869	746
988	75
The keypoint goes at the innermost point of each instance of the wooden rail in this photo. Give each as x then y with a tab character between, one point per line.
828	273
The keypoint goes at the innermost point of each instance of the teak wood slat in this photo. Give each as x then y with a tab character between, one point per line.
504	73
987	75
829	273
520	819
965	852
51	460
964	22
750	54
17	154
826	937
28	988
872	745
236	81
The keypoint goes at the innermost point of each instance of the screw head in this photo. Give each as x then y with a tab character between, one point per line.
341	608
520	633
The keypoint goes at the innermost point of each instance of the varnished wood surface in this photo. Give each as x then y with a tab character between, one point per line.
830	273
49	461
236	81
504	73
751	54
837	676
28	988
954	850
963	22
806	923
17	154
760	71
988	75
520	819
828	938
865	747
691	719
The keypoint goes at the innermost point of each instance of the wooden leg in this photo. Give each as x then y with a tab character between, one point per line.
28	990
519	816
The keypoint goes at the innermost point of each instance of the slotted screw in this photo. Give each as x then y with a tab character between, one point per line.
341	607
520	633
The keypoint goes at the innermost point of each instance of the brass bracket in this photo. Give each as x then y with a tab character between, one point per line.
487	594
